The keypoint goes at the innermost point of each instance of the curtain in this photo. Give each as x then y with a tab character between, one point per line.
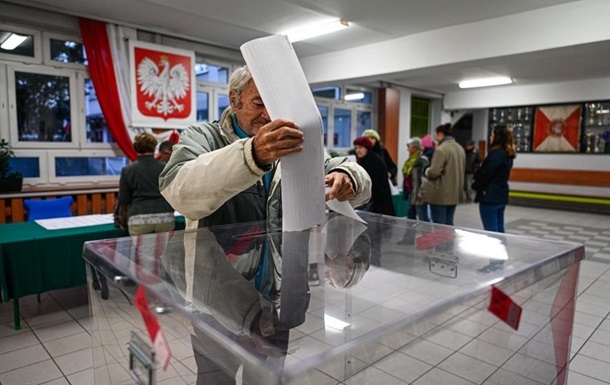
101	70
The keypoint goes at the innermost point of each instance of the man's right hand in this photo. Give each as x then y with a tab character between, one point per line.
276	139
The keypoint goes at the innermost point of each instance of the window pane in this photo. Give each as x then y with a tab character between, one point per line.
27	167
211	73
43	107
343	127
202	107
324	115
97	130
327	92
25	48
357	96
66	51
223	103
363	122
78	166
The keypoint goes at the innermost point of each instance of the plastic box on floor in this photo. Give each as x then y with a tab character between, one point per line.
390	302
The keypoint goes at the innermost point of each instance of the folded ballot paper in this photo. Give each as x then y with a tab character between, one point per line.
281	82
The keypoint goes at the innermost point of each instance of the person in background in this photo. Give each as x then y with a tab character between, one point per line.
427	145
412	172
473	161
380	150
491	179
381	197
165	151
140	204
445	176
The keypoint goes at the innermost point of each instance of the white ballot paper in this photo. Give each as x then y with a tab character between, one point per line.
282	84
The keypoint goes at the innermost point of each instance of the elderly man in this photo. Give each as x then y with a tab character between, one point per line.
228	171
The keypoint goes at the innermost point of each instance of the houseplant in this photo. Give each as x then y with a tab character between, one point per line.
9	182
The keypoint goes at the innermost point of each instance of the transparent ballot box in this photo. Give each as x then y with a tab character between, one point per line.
394	301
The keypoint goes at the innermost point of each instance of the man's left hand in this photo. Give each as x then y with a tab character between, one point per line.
341	187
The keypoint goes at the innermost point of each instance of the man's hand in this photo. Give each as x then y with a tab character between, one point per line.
276	139
341	186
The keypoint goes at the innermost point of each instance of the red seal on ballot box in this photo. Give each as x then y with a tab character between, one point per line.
503	307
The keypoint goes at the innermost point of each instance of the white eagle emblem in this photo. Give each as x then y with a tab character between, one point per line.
166	87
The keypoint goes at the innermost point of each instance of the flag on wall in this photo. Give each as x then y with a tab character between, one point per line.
557	128
163	91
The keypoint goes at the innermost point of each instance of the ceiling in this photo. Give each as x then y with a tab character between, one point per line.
230	23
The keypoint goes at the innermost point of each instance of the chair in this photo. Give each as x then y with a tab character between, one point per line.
48	208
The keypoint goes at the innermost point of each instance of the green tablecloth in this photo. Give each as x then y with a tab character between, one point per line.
400	205
34	260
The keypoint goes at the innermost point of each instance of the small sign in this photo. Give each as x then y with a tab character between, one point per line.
503	307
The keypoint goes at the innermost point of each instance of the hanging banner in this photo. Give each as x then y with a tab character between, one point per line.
163	92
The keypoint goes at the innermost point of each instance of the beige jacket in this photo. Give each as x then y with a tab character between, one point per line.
446	174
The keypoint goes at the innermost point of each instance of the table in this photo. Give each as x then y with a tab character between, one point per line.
397	286
34	260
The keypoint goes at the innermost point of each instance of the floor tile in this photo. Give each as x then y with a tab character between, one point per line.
38	373
68	344
23	357
75	362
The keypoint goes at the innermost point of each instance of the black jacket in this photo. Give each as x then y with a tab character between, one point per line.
381	197
387	159
491	179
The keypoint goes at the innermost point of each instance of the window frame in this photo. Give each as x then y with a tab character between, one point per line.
47	36
74	116
37	59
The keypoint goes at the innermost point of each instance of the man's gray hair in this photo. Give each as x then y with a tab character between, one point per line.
239	79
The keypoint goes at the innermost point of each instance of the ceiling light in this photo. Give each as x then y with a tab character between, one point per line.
13	42
485	82
316	30
355	96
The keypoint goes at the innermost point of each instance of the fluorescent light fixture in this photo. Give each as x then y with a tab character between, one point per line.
485	82
317	30
334	323
13	42
355	96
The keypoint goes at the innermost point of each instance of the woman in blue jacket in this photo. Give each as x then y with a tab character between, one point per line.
491	179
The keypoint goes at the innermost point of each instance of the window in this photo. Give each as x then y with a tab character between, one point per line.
343	127
203	107
43	107
28	167
363	121
324	114
327	93
223	103
66	51
211	73
96	127
344	119
91	166
21	44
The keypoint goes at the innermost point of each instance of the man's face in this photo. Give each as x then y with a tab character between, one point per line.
249	109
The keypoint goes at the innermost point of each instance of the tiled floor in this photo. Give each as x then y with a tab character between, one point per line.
53	346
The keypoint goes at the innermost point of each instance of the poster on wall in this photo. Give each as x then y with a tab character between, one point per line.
557	128
163	92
